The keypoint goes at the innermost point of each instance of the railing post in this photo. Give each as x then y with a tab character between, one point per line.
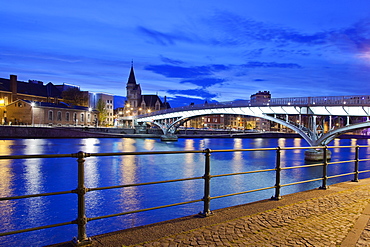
325	170
81	221
207	182
278	175
357	151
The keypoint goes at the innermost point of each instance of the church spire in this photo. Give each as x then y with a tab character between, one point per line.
131	78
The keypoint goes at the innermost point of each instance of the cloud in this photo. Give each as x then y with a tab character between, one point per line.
240	30
256	64
162	38
179	100
171	61
204	82
357	36
172	71
198	93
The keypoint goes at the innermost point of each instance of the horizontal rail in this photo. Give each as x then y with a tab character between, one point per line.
34	156
302	182
143	210
341	162
36	228
243	192
304	166
241	173
36	195
141	184
341	175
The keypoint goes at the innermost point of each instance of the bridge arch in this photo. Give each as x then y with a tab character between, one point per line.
308	135
331	135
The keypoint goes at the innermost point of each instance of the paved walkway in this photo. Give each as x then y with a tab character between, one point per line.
338	216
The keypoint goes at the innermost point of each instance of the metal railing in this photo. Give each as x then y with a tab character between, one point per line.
81	190
352	100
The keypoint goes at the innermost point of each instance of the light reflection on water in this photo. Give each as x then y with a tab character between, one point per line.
19	177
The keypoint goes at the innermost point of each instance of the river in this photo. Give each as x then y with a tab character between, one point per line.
31	176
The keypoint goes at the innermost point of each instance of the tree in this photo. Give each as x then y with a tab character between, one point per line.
103	113
74	96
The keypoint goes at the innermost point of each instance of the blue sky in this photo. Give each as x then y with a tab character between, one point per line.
191	51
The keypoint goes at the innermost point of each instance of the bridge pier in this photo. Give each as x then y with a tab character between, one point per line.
166	138
316	154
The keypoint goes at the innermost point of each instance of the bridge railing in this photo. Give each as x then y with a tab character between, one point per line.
354	100
357	100
278	172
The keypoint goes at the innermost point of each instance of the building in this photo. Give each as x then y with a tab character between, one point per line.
136	103
104	103
260	97
11	90
26	112
34	103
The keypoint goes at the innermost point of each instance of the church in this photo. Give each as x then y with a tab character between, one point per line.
136	103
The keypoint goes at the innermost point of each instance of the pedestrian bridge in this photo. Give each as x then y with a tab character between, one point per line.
317	119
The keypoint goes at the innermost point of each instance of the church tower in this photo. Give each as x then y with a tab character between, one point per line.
133	94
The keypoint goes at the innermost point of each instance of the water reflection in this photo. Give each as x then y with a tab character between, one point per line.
297	143
92	175
149	144
189	159
6	172
237	145
128	170
93	172
7	208
336	143
353	143
34	180
33	174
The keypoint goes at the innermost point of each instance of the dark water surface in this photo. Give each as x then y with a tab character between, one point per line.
32	176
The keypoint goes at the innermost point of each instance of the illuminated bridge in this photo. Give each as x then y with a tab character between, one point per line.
317	119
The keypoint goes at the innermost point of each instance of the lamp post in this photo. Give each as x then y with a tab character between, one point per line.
32	115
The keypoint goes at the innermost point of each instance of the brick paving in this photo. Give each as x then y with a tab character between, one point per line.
338	216
323	221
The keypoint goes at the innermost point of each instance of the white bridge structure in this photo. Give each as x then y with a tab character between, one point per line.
317	119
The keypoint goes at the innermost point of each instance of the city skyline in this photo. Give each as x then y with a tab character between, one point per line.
191	51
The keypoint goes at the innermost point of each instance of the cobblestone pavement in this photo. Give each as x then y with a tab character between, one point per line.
364	239
322	221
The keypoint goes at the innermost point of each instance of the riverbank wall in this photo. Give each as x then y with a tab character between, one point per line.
61	132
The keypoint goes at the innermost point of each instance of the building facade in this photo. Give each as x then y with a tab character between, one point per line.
11	90
25	112
34	103
104	103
